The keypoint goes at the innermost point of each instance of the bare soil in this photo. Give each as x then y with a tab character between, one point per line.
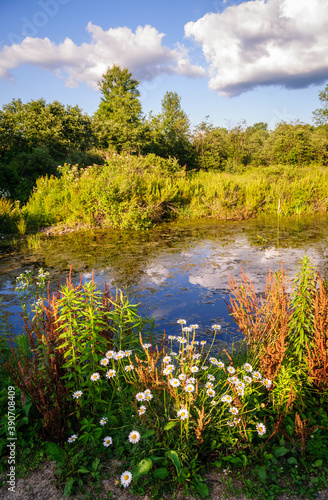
42	484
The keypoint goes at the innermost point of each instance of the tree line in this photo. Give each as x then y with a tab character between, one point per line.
35	137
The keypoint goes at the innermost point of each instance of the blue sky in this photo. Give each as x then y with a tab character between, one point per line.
253	60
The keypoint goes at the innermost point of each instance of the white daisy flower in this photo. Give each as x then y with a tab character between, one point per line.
194	369
267	383
174	382
230	423
231	370
110	354
261	429
191	380
181	340
183	414
120	355
126	478
202	342
186	329
146	346
190	388
140	396
214	361
248	379
211	377
72	438
257	375
226	398
77	394
216	327
107	441
181	321
182	376
248	367
134	437
194	327
240	391
205	367
210	392
220	364
170	367
148	396
111	373
171	337
196	356
95	376
166	371
103	421
167	359
174	353
128	368
142	410
233	410
128	353
209	385
104	361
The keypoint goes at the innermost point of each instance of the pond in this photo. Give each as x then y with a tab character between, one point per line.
176	270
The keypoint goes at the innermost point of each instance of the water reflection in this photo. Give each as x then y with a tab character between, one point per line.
176	270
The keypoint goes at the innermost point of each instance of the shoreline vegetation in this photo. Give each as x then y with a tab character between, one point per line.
90	381
139	192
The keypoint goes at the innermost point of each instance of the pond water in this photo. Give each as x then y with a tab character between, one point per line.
177	270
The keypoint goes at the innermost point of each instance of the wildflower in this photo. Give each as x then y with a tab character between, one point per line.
213	361
170	367
211	377
148	396
128	368
183	413
142	410
77	394
175	382
257	375
191	380
204	367
202	342
72	438
196	342
240	391
110	354
111	373
120	355
171	337
233	410
166	371
231	370
107	441
126	478
95	376
182	377
194	327
140	396
248	379
261	429
128	353
190	388
181	321
134	437
209	385
220	364
181	340
186	329
267	383
103	421
104	361
167	359
248	367
194	369
216	327
226	471
146	346
210	392
214	403
174	353
230	423
234	380
196	356
226	398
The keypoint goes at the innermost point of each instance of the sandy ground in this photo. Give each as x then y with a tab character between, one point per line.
41	485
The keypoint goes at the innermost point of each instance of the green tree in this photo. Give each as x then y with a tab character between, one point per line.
170	131
118	120
320	115
211	146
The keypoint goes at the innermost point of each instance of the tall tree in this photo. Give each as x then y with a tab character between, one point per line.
320	115
118	119
170	131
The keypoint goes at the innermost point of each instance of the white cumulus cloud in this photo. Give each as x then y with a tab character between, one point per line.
142	52
258	42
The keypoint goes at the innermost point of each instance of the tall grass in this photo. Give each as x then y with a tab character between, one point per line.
131	192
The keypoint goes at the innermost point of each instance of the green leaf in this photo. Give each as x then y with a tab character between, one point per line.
55	453
218	463
83	470
170	425
148	434
292	461
202	488
68	486
175	459
142	467
318	463
280	451
261	472
160	473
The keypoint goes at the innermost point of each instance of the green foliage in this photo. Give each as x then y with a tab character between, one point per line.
320	115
